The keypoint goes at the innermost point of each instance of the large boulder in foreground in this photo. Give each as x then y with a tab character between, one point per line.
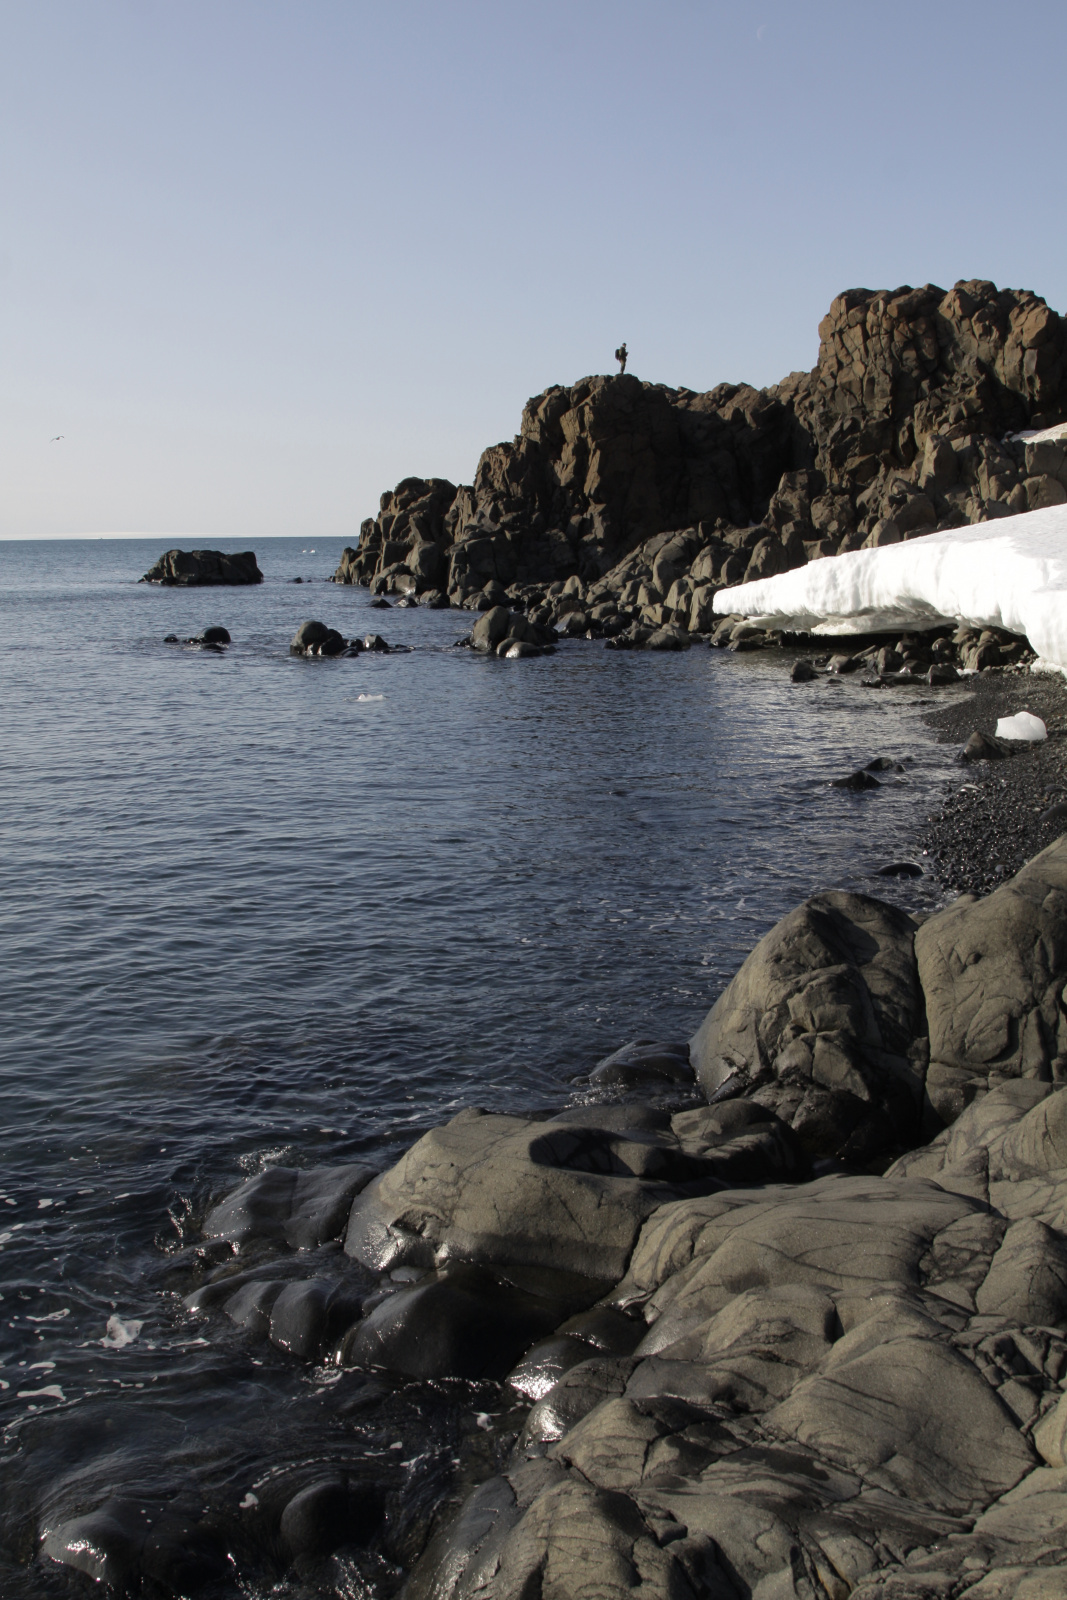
819	1393
820	1025
993	972
558	1196
190	569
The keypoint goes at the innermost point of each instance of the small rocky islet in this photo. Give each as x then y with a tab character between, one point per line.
200	569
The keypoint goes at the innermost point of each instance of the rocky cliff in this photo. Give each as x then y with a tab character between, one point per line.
632	496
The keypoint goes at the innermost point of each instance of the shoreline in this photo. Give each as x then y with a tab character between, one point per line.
991	822
728	1338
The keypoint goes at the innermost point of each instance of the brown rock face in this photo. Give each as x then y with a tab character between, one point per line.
406	538
899	429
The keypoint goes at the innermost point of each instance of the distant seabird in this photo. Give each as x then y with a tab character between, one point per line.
57	438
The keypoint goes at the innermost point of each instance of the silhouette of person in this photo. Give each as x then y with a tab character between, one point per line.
620	357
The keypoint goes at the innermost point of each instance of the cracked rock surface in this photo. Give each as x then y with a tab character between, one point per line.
746	1350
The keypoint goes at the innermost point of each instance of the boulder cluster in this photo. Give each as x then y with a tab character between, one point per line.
804	1338
190	569
623	503
317	639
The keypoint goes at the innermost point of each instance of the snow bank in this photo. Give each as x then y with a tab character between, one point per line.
1011	573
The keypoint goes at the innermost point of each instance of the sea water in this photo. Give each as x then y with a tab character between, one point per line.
261	909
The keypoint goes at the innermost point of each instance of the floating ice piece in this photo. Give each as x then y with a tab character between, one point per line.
121	1331
1010	574
1023	725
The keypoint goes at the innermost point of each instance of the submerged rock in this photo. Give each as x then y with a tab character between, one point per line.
299	1207
644	1063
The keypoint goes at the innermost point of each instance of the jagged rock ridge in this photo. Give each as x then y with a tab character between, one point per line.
903	425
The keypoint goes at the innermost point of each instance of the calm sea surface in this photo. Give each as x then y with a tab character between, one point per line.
259	909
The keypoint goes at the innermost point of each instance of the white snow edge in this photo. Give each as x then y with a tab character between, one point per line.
1010	574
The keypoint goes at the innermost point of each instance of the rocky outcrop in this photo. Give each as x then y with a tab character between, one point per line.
403	549
821	1025
746	1354
185	569
625	504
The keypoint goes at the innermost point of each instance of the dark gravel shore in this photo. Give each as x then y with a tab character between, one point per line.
992	823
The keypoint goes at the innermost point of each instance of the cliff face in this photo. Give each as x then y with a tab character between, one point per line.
900	428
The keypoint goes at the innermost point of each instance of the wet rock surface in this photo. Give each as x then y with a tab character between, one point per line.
805	1336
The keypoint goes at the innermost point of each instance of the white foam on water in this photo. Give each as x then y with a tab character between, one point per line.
1009	574
121	1331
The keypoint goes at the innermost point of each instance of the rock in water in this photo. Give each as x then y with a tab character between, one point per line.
316	639
301	1207
857	781
203	568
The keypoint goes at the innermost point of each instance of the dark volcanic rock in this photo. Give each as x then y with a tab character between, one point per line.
462	1322
819	1024
654	498
406	541
301	1207
644	1062
316	639
856	781
505	1191
192	568
992	972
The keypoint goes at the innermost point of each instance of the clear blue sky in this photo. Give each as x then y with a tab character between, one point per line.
258	261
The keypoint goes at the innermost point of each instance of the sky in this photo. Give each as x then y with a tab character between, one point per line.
259	261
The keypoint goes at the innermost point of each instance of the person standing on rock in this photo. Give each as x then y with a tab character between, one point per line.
620	357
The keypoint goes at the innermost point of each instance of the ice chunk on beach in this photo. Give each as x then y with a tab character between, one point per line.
1023	725
1010	574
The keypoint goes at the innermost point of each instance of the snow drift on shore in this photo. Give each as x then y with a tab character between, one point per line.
1011	573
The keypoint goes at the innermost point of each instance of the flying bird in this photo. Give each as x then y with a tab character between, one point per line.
57	438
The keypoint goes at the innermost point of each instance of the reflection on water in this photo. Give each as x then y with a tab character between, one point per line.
261	910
